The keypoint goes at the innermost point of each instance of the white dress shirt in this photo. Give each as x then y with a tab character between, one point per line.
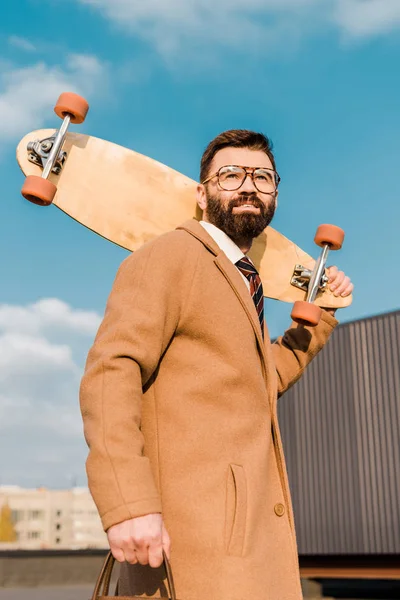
227	245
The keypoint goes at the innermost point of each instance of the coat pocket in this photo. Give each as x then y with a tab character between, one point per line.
236	510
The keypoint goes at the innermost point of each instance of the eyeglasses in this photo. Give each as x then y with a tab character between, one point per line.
232	177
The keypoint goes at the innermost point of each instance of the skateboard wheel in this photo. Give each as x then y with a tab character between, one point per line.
38	190
306	313
329	235
73	105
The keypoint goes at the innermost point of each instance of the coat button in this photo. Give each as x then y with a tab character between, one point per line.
279	509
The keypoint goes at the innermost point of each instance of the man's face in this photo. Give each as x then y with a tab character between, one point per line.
243	213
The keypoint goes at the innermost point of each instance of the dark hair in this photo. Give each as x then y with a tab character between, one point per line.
237	138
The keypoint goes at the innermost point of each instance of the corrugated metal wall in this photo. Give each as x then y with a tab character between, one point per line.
341	432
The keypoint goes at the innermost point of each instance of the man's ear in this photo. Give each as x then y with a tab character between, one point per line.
201	196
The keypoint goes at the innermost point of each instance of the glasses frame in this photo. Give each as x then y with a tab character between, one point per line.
248	171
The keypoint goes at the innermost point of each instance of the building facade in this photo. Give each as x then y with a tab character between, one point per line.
53	519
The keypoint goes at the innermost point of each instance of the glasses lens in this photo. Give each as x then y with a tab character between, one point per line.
265	180
231	178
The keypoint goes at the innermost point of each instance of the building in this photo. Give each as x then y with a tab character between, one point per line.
341	433
46	518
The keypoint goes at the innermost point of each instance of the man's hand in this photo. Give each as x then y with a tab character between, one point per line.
339	283
140	540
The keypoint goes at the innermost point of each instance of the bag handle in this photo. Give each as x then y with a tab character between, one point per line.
102	586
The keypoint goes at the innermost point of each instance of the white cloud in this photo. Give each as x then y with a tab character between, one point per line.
20	354
28	94
364	18
45	314
21	43
42	350
171	25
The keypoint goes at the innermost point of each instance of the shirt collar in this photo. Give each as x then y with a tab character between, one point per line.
228	246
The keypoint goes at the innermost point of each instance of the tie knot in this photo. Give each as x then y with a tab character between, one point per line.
246	267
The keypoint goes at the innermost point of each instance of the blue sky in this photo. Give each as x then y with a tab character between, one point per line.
320	77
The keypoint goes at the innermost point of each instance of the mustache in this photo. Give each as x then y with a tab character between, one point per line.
252	199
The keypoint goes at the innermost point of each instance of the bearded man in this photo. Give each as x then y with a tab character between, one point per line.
179	398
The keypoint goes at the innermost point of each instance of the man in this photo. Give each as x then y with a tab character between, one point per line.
179	398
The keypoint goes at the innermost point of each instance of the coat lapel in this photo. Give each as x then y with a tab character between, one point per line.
233	277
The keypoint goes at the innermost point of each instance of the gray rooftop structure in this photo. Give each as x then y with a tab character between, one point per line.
341	433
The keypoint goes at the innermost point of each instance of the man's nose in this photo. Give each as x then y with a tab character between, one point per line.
248	185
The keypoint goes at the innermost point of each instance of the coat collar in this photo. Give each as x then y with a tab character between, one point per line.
196	230
232	275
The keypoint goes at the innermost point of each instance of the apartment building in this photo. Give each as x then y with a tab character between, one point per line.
45	518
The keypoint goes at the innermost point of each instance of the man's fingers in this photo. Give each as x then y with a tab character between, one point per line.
332	272
155	556
130	556
142	553
139	540
342	286
338	280
118	554
346	288
166	542
129	549
339	283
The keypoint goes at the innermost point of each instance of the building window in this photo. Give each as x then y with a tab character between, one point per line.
58	526
35	515
58	513
58	540
34	535
17	516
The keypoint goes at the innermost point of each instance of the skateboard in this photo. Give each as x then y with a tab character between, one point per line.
129	199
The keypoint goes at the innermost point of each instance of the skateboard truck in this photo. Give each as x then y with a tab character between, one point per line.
301	278
48	153
39	153
328	237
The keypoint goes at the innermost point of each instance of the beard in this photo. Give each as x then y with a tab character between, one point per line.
242	226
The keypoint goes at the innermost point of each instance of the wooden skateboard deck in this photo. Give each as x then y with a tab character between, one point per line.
129	199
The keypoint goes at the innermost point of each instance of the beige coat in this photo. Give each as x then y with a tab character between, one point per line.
179	406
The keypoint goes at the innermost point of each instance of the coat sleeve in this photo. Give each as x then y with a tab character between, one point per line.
141	316
297	347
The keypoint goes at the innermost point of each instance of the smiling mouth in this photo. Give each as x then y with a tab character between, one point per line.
246	206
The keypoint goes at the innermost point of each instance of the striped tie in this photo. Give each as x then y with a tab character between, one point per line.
247	268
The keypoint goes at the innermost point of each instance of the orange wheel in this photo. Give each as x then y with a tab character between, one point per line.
306	313
38	190
73	105
329	235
